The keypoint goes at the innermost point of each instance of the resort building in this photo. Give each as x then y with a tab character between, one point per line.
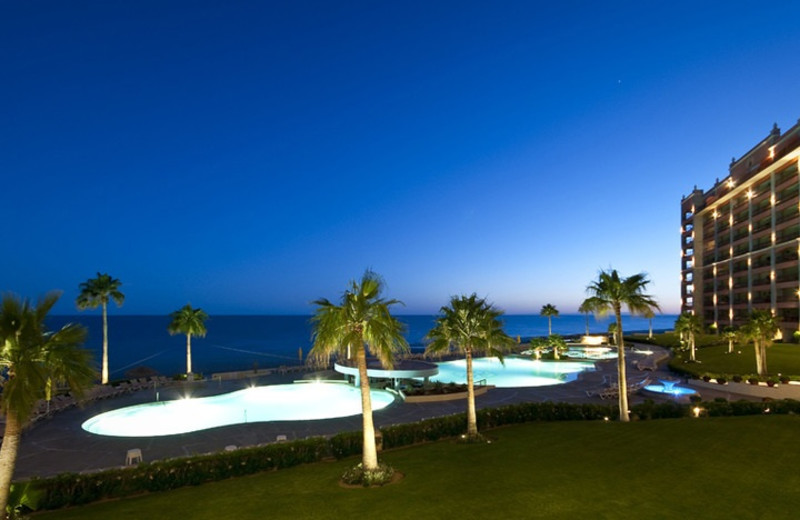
740	239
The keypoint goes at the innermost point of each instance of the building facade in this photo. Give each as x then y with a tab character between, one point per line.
740	239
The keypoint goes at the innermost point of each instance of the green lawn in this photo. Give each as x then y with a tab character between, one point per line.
782	358
712	353
743	467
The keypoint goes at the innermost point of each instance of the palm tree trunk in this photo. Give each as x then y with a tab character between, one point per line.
549	325
188	356
472	419
587	324
369	458
761	357
621	375
8	457
105	344
692	346
650	333
730	346
757	348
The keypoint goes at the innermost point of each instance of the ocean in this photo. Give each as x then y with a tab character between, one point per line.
245	342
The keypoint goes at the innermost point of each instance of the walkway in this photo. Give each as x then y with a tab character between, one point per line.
60	444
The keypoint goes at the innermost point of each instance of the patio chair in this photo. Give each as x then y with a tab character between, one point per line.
134	456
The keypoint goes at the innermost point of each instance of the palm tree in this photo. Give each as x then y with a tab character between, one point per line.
549	311
361	322
537	344
98	292
649	314
469	325
608	294
730	334
191	322
761	328
585	310
558	343
688	326
612	331
32	356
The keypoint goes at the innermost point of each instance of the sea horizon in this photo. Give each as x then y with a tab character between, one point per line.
242	342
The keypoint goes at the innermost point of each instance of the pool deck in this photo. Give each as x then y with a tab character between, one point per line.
59	444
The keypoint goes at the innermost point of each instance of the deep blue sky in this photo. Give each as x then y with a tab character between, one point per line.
250	157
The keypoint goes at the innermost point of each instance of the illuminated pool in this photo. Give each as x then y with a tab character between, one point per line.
591	352
294	402
518	371
671	388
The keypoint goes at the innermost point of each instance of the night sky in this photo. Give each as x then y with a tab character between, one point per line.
250	157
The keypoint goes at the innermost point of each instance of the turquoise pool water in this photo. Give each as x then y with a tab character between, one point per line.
671	388
294	402
517	371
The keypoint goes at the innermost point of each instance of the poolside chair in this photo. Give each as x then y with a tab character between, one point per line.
134	456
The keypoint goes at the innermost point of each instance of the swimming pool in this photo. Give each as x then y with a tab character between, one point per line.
293	402
670	387
518	371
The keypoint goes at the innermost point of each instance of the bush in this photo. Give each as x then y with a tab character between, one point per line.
346	444
667	410
358	476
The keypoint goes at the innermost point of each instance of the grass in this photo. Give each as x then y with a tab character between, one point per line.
782	358
713	357
709	467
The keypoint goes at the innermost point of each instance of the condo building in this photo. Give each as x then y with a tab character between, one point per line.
740	239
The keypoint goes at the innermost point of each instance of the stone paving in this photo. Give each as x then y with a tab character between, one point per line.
60	445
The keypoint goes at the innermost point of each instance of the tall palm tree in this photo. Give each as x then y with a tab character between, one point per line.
729	333
761	328
549	311
32	356
191	322
361	322
469	325
586	311
688	326
608	294
98	292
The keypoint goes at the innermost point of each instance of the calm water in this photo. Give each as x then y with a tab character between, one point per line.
241	342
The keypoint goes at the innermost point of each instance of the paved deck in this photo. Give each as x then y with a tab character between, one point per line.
59	444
